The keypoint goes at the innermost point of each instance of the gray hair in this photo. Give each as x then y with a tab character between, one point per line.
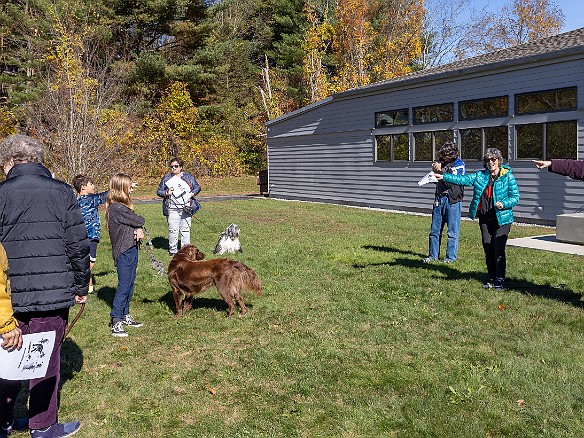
21	149
493	153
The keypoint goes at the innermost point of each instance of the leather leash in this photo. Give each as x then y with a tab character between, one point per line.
70	326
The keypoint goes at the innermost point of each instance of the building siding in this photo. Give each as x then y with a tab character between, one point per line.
326	153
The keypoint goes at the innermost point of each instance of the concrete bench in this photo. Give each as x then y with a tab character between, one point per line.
570	228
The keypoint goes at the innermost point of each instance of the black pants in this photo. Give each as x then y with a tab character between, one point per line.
494	241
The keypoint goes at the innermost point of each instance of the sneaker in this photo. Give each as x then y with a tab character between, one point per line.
118	329
130	321
57	430
428	260
490	284
17	425
448	260
499	283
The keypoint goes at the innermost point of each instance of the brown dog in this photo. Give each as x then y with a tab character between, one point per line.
189	274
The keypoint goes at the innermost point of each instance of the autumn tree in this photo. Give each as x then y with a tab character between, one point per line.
376	40
76	118
316	45
521	22
445	26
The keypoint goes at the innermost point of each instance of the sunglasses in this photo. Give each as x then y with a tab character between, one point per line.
174	166
493	159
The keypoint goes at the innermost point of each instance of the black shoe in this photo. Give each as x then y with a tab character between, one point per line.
499	283
118	330
490	284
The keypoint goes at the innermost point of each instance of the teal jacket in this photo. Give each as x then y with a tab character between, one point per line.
505	190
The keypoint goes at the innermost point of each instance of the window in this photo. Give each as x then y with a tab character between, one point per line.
483	108
433	114
546	101
546	140
474	142
426	144
392	147
392	118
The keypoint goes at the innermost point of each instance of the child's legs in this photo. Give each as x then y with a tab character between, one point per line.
126	266
92	257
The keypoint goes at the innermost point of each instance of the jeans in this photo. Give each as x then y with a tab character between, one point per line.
126	265
43	403
448	214
178	221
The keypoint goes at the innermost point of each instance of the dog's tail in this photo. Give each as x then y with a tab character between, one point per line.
250	280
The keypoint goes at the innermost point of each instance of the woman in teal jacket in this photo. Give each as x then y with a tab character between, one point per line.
495	194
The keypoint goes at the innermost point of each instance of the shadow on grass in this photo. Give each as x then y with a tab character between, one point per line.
71	360
106	294
160	243
557	293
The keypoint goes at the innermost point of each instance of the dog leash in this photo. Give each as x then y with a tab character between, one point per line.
206	226
149	248
68	327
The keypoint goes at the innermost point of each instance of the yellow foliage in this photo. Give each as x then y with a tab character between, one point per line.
8	123
376	40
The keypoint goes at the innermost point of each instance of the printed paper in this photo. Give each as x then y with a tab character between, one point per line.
428	178
31	361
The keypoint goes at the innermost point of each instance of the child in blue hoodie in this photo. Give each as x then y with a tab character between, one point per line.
89	201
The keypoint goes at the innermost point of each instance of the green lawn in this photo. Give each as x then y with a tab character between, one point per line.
353	337
232	185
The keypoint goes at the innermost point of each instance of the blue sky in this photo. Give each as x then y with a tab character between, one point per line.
573	10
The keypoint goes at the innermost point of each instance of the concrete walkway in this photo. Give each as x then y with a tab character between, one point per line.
547	242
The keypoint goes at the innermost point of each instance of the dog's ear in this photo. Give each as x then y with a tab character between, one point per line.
199	255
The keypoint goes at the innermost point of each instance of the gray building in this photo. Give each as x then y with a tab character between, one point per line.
371	145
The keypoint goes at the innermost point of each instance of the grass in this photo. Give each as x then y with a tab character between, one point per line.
353	337
233	185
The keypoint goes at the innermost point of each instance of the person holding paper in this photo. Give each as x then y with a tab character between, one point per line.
495	193
9	331
447	205
46	242
178	190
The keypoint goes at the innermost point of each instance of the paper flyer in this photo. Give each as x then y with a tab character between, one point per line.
428	178
31	361
180	187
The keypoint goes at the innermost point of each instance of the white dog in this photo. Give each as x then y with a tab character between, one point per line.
228	241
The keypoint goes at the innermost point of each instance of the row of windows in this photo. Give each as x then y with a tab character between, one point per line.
563	99
533	141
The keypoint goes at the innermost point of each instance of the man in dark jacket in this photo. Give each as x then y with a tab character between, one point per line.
45	239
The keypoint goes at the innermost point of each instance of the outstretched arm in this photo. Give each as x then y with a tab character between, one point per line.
541	164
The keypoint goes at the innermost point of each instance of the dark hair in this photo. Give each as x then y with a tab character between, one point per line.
178	160
79	181
448	150
21	149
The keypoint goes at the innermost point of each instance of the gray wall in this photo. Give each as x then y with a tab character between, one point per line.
325	152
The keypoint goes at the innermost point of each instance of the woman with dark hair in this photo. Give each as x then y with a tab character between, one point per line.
447	205
180	205
495	193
